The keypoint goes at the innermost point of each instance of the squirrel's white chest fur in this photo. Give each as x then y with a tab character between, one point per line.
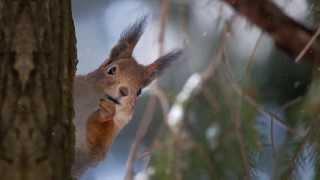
122	117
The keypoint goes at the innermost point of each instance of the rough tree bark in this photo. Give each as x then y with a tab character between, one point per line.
37	66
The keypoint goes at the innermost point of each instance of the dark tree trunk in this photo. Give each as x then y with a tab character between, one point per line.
37	66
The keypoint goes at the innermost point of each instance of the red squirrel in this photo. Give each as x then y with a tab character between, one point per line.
104	99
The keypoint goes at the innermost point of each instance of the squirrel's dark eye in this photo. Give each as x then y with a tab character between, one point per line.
112	70
139	92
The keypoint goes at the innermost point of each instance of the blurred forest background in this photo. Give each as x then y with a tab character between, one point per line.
235	107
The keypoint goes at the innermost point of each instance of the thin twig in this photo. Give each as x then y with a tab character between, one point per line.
251	101
237	122
147	118
211	99
164	101
205	155
252	56
141	132
165	106
291	103
272	136
308	45
216	61
165	8
295	158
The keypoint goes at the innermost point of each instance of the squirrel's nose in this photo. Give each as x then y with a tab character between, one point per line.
124	91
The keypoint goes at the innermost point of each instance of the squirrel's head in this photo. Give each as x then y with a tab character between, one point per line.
122	78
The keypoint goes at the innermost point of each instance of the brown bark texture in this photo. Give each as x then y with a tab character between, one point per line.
37	66
288	34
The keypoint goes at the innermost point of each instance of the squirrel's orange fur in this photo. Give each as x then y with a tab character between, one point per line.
101	130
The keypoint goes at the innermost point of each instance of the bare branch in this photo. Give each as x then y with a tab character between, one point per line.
287	34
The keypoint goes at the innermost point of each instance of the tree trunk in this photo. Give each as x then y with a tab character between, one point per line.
37	66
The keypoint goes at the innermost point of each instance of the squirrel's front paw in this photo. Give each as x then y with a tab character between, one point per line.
106	109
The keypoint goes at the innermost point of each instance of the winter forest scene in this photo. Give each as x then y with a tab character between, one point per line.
160	89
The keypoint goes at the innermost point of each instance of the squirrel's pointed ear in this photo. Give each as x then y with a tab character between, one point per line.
128	40
157	67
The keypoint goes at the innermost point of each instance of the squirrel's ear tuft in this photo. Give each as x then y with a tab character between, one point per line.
128	40
157	67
